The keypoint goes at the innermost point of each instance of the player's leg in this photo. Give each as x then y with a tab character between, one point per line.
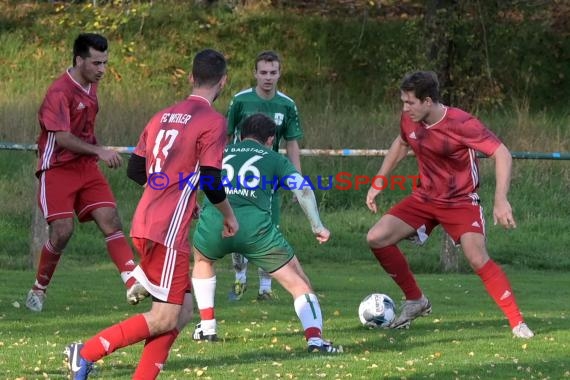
204	285
169	294
495	281
405	220
265	292
239	287
157	348
60	232
466	225
292	277
96	202
207	248
119	251
56	193
159	323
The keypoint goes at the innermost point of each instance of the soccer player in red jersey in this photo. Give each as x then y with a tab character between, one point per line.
445	141
178	144
70	179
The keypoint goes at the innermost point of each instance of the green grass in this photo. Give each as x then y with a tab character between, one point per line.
466	337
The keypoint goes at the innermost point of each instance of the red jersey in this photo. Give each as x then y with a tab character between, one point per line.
176	142
446	154
67	106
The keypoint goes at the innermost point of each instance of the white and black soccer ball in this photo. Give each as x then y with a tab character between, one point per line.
377	310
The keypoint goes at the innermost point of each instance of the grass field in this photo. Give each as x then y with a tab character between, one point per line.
466	337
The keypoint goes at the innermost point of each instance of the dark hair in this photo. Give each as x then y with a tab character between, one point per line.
269	56
423	83
258	126
208	68
88	40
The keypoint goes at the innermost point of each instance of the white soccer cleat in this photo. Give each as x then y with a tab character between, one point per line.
522	331
136	293
410	311
35	300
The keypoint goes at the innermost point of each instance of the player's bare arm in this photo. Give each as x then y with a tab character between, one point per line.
397	152
294	153
71	142
502	211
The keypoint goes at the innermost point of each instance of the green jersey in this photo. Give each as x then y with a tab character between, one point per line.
251	173
280	108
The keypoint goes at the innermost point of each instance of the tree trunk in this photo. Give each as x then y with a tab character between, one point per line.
449	256
39	231
441	15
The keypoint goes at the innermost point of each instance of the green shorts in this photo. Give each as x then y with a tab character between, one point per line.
258	238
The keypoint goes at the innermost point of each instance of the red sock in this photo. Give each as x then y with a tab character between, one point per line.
122	334
122	255
499	288
395	264
207	314
154	355
48	262
312	332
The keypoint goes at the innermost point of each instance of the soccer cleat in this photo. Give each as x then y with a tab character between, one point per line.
79	368
136	293
266	296
35	300
324	347
200	334
238	289
410	311
522	331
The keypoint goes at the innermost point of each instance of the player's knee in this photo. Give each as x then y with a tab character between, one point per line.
164	323
375	238
59	235
186	313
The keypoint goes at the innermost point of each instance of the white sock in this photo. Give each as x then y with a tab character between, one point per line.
208	326
241	276
309	311
264	281
204	290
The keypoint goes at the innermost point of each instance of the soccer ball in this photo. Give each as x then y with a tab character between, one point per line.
377	310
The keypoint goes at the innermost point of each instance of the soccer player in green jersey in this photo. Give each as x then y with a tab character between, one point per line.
264	98
251	171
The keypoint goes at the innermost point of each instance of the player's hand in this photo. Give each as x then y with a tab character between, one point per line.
323	235
370	199
503	214
196	212
231	227
110	157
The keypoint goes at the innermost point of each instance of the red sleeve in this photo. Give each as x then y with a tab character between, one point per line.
212	143
140	149
476	136
54	113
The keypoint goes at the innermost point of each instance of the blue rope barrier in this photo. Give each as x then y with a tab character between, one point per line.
327	152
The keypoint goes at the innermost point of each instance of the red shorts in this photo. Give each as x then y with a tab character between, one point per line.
77	187
456	219
164	272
